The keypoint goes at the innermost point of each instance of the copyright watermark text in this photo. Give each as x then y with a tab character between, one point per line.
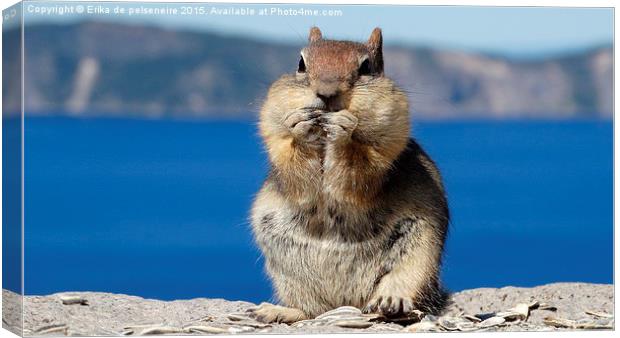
176	10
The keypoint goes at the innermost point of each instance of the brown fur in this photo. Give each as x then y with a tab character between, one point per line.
353	211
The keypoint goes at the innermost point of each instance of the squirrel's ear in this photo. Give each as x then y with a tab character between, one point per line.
376	38
315	34
375	47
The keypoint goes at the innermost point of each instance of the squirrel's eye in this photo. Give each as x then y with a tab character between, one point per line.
302	65
364	68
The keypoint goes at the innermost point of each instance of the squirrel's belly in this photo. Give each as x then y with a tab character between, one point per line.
319	275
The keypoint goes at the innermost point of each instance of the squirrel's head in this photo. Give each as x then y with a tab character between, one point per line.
333	67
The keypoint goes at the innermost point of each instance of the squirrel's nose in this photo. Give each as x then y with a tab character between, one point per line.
326	90
324	98
326	94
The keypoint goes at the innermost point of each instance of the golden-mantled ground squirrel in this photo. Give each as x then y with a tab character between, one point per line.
353	211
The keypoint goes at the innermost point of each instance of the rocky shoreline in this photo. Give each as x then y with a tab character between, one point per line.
552	307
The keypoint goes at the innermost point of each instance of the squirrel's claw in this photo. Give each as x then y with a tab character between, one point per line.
303	124
339	125
390	306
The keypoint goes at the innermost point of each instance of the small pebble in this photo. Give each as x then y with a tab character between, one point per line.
341	312
509	315
160	330
472	318
429	318
523	310
599	314
422	327
141	326
207	318
493	321
372	316
485	316
353	324
547	307
386	327
206	329
466	326
311	322
240	329
448	323
559	322
52	329
71	300
519	312
237	317
255	325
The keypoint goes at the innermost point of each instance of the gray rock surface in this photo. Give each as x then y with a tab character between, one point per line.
560	306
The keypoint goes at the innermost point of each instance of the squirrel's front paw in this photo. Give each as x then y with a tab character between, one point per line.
390	306
339	125
304	124
270	313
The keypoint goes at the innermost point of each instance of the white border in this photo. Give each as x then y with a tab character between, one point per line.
496	3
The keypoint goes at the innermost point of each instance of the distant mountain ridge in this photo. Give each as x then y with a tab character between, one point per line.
95	68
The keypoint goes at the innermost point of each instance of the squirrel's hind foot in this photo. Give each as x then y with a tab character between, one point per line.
270	313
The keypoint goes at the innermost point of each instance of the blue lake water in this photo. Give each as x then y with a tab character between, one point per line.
159	208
